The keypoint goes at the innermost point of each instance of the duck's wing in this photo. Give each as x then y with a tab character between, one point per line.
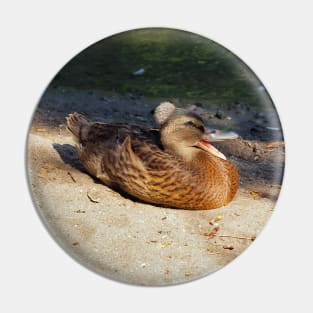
98	133
102	145
113	136
152	175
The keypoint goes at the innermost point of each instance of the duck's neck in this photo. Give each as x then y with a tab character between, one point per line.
206	160
185	153
192	155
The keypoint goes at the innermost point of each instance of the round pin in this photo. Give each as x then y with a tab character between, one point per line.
155	157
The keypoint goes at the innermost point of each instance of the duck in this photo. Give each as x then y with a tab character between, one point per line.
172	166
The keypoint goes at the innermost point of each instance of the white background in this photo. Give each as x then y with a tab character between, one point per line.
274	38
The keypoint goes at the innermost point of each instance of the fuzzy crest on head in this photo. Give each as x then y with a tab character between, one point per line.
163	111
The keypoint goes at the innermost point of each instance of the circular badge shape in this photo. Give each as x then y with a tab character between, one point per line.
155	157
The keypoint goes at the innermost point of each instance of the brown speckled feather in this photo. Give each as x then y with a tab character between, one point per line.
132	159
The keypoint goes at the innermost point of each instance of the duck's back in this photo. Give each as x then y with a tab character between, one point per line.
108	148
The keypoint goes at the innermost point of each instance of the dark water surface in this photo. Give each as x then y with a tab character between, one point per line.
177	64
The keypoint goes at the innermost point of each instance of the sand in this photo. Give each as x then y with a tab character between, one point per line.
128	240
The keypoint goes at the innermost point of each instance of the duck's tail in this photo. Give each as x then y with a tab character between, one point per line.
78	125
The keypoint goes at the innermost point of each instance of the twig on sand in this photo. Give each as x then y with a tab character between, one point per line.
213	231
70	174
235	237
92	200
228	247
216	226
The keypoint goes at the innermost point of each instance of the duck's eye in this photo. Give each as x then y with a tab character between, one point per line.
190	123
201	128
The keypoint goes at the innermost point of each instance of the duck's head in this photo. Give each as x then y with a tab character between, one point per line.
185	134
